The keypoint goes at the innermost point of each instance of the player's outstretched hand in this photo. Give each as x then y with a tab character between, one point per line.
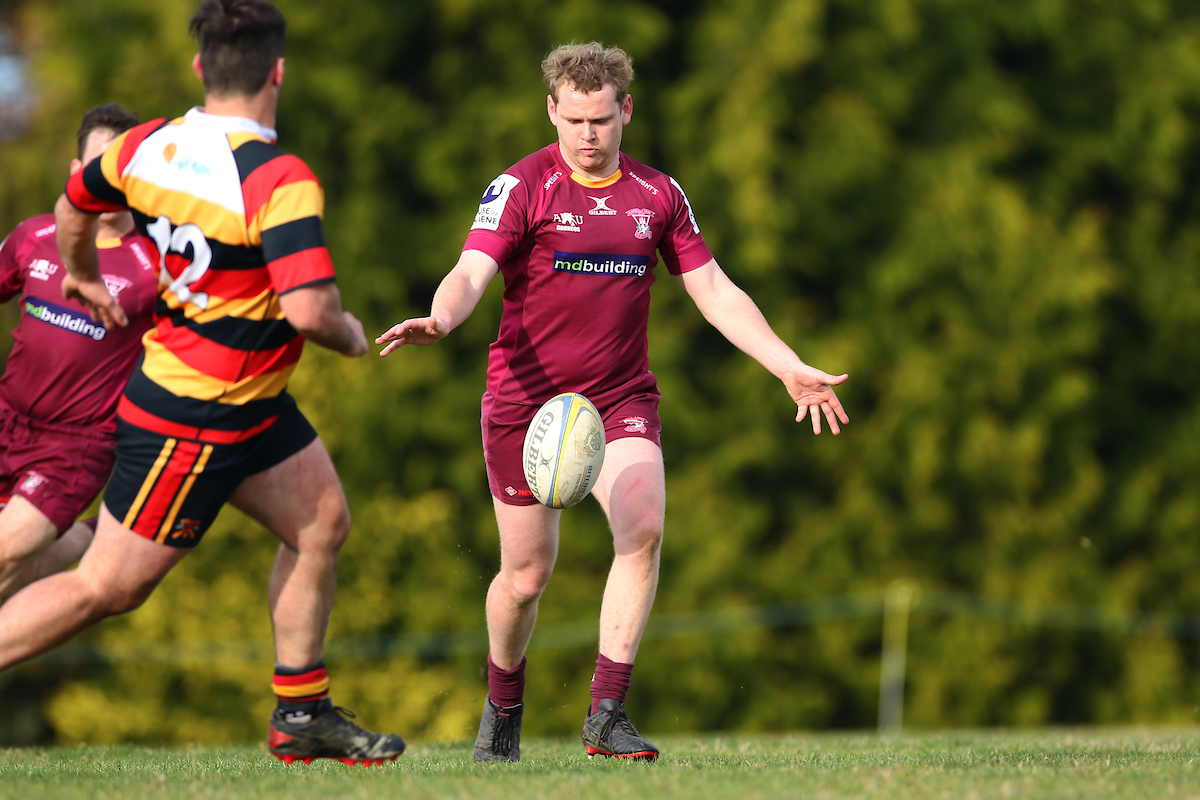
813	392
420	330
99	302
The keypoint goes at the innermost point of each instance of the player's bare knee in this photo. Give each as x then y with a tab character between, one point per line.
527	585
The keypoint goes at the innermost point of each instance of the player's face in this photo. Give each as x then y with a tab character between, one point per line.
589	128
93	147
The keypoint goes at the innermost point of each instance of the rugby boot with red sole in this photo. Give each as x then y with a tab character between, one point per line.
499	736
329	734
609	732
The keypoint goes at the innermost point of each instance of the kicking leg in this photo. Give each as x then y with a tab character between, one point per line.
632	491
118	572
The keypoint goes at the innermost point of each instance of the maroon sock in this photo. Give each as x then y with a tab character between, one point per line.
506	688
611	681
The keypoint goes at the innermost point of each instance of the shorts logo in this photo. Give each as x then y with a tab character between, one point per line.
116	284
41	269
186	529
568	222
601	209
64	318
635	424
642	217
32	481
510	491
491	205
609	264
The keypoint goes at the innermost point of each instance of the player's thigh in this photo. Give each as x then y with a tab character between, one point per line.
632	488
124	566
300	499
528	535
24	529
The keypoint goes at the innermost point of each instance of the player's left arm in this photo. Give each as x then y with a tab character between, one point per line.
731	311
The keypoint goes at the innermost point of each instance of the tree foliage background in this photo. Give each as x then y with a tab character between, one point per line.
987	213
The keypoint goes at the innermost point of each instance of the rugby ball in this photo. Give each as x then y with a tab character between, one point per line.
564	450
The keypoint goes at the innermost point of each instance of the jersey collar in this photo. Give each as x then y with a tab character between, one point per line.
583	180
227	124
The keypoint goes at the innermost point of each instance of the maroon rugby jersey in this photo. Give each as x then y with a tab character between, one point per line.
578	257
64	368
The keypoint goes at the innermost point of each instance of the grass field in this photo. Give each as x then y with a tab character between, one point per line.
1060	764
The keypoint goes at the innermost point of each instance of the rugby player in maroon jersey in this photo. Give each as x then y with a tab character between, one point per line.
63	378
574	229
235	228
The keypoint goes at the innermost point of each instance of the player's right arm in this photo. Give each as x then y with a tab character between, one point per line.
455	299
75	231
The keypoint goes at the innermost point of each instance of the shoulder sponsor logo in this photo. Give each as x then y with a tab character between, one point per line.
42	233
64	318
139	252
649	187
116	284
601	209
553	179
641	216
41	269
612	265
491	205
568	222
691	214
191	164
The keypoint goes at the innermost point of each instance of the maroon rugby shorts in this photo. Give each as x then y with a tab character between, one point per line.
504	426
59	469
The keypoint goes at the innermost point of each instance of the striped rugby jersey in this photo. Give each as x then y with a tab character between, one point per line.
234	223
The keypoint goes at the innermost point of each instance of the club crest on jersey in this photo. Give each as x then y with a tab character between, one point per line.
568	222
601	209
642	217
41	269
32	481
116	284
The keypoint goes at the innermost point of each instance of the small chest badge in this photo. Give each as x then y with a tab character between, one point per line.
642	217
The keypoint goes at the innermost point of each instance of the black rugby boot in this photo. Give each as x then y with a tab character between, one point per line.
328	734
609	732
499	736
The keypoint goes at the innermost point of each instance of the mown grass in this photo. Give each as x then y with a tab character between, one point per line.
1060	764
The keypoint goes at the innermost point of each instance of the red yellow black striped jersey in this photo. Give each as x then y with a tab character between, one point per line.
235	223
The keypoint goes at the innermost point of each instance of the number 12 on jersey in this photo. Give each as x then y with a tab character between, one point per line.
177	241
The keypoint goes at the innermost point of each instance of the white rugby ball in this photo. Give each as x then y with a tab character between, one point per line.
564	450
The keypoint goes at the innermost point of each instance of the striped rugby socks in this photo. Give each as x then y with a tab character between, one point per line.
301	692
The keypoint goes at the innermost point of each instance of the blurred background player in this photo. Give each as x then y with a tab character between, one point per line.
63	378
574	228
235	226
